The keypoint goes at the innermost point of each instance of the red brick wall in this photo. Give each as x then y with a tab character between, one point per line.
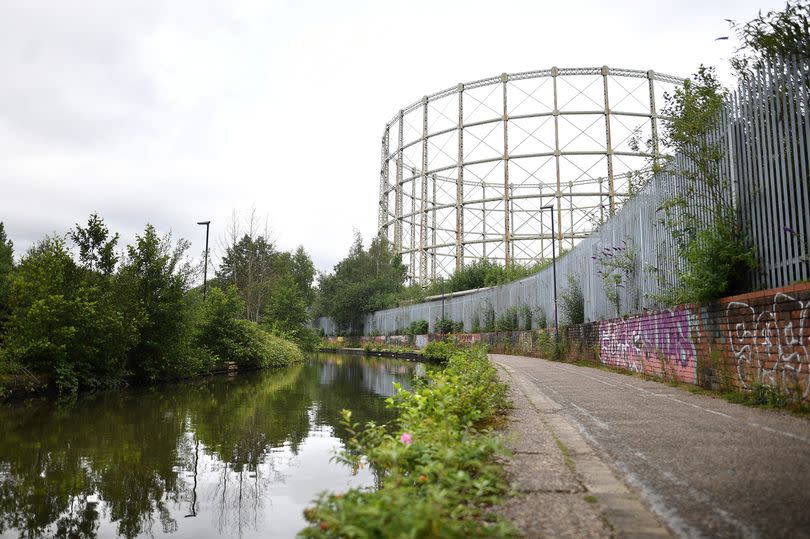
756	338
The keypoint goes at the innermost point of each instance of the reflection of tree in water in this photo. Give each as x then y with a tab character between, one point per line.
145	452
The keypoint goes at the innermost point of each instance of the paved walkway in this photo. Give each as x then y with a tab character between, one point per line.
704	467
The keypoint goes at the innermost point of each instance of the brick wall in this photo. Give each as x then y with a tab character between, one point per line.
756	338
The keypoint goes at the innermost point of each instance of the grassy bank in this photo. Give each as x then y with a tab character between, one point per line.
436	465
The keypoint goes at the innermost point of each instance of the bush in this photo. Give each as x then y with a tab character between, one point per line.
526	315
229	338
508	321
476	323
572	302
439	350
488	318
437	473
445	326
540	314
417	327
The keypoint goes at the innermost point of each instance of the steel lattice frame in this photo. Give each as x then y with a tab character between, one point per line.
468	170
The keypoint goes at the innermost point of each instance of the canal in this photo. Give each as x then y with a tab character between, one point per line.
224	456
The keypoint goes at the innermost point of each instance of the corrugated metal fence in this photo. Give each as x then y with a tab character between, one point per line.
764	130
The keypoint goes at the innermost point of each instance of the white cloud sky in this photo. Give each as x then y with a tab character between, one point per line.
174	112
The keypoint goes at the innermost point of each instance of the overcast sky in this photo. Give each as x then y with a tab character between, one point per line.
171	112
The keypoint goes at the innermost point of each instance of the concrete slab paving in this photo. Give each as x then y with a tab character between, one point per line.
702	466
562	488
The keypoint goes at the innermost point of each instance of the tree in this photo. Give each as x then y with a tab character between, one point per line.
158	276
776	34
703	218
62	325
303	271
363	282
96	247
6	267
248	265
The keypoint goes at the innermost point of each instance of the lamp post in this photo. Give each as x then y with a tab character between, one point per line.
205	270
554	271
442	278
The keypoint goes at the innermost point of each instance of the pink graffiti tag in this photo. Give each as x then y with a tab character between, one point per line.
655	343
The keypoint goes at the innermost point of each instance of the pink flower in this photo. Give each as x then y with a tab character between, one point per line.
405	438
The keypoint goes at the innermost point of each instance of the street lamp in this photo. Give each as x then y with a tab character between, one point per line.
554	271
205	270
442	278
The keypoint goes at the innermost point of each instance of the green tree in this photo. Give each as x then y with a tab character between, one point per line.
6	267
715	250
96	246
776	34
363	282
248	264
303	271
62	325
157	275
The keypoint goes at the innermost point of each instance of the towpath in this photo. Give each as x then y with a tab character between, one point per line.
704	467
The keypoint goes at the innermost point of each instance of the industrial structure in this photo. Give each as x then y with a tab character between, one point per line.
478	170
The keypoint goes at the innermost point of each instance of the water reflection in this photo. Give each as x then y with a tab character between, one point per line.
223	456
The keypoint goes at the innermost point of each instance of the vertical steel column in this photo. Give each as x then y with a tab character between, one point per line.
653	116
398	191
608	144
433	233
460	183
506	203
484	218
571	210
423	217
382	225
412	246
558	191
512	223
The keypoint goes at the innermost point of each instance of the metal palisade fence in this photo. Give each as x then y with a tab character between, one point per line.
764	131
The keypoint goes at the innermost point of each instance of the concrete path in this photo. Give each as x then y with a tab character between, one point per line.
705	467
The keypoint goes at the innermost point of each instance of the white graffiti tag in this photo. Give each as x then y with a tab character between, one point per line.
771	346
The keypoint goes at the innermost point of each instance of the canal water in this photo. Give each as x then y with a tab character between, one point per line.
224	456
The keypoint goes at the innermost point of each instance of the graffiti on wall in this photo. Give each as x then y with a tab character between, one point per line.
654	343
771	345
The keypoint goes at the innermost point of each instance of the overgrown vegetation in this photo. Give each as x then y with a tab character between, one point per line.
417	327
572	302
446	325
508	321
103	318
439	350
776	34
618	271
363	282
436	464
702	217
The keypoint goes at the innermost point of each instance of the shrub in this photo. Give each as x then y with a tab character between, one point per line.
540	314
508	321
488	318
526	315
439	350
476	323
229	338
417	327
572	302
446	325
437	471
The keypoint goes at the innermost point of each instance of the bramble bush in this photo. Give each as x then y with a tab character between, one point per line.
438	476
